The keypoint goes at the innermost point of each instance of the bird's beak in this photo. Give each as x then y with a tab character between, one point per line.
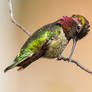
73	47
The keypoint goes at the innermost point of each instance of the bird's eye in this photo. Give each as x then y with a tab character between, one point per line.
78	28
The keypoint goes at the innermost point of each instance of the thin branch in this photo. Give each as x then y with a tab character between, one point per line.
14	21
77	63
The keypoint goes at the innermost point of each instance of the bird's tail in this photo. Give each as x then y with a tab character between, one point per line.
10	67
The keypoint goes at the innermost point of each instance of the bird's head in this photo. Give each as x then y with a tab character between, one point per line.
75	27
82	27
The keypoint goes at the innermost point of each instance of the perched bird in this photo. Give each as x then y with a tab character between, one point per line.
50	40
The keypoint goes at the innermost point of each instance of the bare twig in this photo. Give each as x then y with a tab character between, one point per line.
75	62
14	21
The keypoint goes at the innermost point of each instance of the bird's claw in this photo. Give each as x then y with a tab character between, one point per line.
63	58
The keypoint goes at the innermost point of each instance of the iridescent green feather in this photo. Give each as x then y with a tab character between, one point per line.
35	42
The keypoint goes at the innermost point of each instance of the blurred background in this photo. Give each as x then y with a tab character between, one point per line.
44	75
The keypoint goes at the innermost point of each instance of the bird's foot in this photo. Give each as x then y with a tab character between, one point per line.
63	58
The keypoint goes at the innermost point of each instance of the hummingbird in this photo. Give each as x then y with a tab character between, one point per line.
50	40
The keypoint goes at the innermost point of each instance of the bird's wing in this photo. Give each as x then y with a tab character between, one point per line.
36	55
33	49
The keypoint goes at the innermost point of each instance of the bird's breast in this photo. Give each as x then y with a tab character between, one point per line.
57	46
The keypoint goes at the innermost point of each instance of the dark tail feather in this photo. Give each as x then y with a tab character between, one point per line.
24	64
8	68
30	60
20	68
